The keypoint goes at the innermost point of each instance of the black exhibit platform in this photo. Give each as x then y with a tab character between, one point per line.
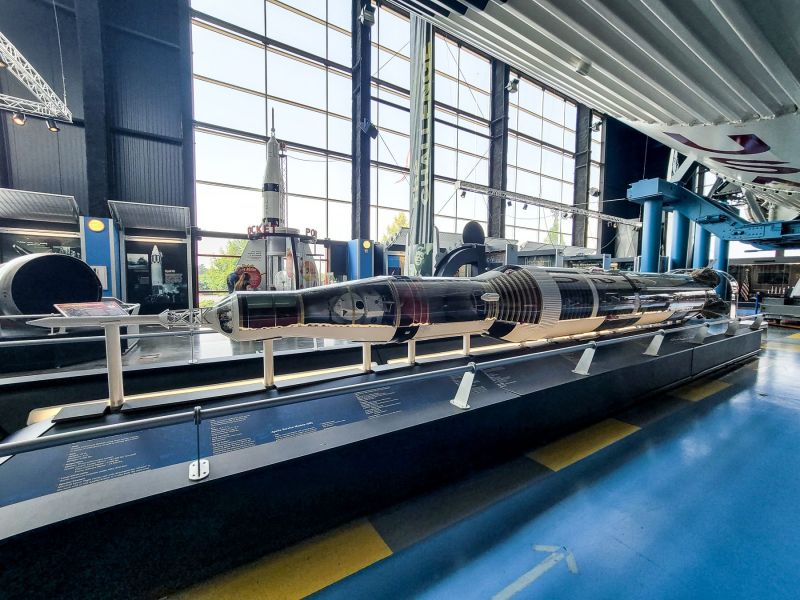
120	513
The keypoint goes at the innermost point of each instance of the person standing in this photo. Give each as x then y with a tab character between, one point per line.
233	278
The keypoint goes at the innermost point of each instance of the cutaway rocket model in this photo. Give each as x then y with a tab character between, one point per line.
517	304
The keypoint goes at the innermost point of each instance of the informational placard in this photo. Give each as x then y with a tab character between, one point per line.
108	308
62	468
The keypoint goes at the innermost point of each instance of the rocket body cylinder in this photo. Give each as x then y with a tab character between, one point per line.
517	304
271	192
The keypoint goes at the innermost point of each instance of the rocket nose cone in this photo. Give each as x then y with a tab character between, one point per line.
220	316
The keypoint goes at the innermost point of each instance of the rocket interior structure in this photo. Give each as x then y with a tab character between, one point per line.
516	304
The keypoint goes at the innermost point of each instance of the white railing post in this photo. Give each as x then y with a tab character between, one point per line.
269	363
116	393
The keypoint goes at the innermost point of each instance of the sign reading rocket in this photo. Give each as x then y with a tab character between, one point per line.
156	276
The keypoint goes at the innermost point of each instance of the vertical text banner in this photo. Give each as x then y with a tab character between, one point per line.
420	249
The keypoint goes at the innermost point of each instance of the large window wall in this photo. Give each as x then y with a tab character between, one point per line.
462	87
541	162
255	57
259	64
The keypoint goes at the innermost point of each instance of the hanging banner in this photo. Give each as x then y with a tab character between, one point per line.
420	251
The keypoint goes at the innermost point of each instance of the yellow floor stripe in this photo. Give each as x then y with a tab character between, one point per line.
697	391
795	336
776	345
575	447
299	570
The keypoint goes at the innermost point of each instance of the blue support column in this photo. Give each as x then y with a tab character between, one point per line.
721	263
680	241
651	236
702	247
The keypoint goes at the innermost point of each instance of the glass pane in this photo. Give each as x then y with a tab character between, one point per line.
339	179
339	135
248	14
308	213
393	189
227	210
340	217
225	160
295	80
213	54
296	30
298	124
444	195
340	94
306	173
229	108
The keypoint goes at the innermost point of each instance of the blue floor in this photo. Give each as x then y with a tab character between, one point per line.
703	502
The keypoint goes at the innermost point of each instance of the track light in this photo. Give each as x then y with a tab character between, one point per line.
18	118
51	125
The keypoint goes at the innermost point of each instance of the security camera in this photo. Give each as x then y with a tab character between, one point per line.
513	85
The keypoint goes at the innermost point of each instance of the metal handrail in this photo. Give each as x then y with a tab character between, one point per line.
83	435
97	338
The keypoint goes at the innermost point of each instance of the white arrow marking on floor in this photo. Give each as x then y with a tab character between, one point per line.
557	554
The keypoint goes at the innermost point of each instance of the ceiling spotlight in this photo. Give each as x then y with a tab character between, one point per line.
51	125
581	66
463	193
524	207
18	118
369	129
508	203
513	86
596	125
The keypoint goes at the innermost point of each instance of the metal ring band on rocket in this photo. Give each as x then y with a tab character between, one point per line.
551	296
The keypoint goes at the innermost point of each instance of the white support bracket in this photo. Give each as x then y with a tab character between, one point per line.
411	346
733	327
701	335
366	357
655	344
585	363
466	346
116	394
269	363
200	468
461	399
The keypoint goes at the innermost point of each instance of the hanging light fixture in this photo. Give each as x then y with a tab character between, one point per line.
51	125
18	118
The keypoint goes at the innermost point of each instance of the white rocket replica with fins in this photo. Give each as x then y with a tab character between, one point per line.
276	257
